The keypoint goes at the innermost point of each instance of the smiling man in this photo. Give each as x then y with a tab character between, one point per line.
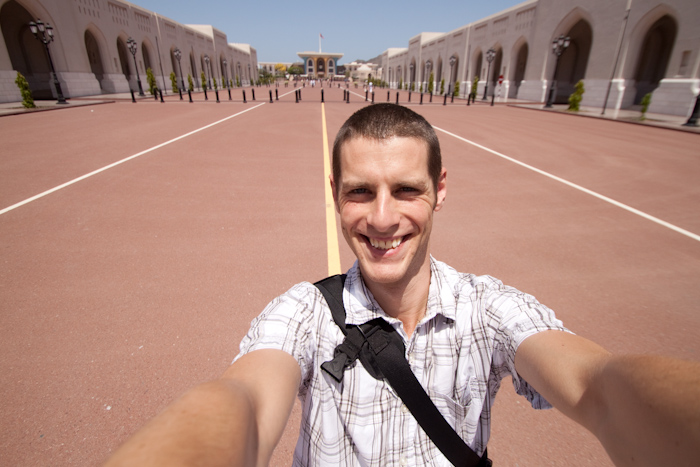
462	335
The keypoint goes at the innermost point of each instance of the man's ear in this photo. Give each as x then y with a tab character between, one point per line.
441	190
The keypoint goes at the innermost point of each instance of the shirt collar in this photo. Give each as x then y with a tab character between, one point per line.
360	305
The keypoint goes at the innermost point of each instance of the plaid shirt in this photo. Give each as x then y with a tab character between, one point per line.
460	351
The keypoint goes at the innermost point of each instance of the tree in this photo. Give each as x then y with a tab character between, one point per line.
646	101
475	84
576	97
442	86
280	69
151	79
23	85
431	86
190	83
204	80
173	81
295	70
456	92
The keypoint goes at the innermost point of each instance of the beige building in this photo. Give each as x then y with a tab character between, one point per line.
320	64
91	55
361	71
624	54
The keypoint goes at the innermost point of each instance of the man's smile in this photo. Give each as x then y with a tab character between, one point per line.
385	244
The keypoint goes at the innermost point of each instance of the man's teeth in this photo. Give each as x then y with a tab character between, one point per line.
385	244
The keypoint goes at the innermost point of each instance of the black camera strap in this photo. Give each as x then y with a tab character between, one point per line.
381	351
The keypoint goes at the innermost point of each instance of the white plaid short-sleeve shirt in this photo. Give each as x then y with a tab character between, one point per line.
460	351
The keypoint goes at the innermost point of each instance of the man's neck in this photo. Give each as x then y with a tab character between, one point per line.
406	301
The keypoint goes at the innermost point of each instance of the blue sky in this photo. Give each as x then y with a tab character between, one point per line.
360	29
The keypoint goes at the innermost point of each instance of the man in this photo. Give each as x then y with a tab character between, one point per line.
462	334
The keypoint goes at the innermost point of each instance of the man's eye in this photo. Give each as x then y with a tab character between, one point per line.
359	191
407	189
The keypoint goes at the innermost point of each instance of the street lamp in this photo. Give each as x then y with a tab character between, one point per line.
178	56
490	55
453	60
206	60
559	45
44	33
131	43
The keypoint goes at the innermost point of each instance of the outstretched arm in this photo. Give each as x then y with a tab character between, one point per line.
644	410
235	420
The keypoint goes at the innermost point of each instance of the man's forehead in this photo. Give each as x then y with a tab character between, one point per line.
378	145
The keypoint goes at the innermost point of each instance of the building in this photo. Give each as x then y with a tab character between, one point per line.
320	64
620	50
361	71
91	55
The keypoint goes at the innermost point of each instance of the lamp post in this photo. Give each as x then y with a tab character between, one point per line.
250	77
178	56
559	45
410	68
490	55
206	60
131	43
44	33
453	60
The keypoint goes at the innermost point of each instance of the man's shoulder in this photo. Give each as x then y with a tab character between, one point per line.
463	281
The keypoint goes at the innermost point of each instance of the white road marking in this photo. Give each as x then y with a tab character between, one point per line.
107	167
579	187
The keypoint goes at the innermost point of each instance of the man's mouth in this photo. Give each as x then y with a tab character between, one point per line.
385	244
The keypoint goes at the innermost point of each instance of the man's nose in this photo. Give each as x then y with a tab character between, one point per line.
383	216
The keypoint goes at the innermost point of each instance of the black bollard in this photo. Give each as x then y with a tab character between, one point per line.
322	95
216	91
469	96
277	96
229	93
444	101
692	121
189	93
133	99
397	97
271	101
372	97
388	96
180	91
431	97
366	95
421	98
206	98
348	100
452	99
161	95
299	94
244	101
296	96
155	94
252	91
493	96
409	96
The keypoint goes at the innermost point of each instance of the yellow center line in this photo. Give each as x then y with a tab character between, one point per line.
331	228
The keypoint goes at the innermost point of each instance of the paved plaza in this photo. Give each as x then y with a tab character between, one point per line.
138	241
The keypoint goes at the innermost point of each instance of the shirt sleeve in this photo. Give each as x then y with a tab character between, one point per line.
519	316
286	324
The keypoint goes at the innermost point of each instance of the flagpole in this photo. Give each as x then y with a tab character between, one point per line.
319	43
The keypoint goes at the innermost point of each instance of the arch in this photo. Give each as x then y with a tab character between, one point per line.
92	48
331	67
654	55
193	70
321	67
478	64
146	56
453	69
573	62
438	75
27	54
521	50
124	55
496	70
412	71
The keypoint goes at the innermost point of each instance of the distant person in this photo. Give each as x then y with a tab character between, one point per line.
462	335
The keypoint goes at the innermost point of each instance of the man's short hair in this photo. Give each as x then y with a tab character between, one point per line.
383	121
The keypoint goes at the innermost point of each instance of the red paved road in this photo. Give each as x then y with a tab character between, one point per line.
123	290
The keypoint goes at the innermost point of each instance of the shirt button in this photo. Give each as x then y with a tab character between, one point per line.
404	409
403	461
411	360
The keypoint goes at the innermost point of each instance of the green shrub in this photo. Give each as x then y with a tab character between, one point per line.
475	85
23	85
442	86
173	81
204	80
400	83
456	92
646	100
151	79
576	97
190	83
238	81
431	86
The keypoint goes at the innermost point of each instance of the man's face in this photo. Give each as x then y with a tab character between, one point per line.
386	201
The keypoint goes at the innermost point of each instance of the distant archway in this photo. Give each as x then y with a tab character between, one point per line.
654	55
27	54
519	68
574	60
124	58
94	57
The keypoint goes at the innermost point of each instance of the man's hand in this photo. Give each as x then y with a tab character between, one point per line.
236	420
644	410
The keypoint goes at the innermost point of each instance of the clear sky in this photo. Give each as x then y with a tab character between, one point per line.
360	29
